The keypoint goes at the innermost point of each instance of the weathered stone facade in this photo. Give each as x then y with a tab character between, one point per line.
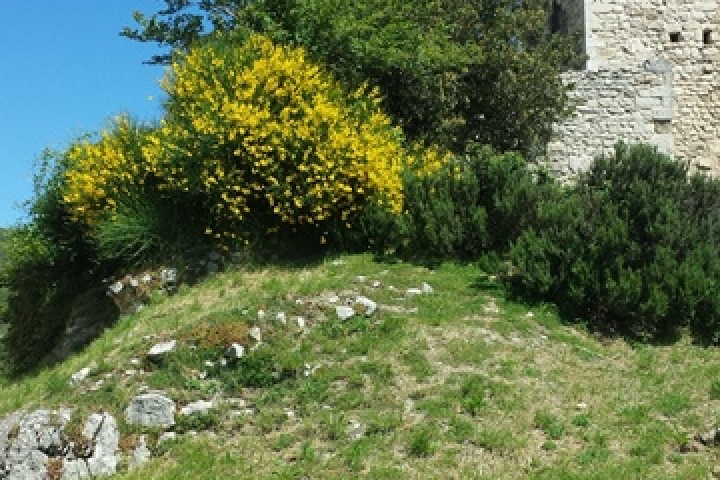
651	76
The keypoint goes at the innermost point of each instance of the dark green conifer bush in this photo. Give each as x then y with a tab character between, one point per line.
478	203
633	247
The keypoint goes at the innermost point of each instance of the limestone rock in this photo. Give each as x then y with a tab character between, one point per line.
366	304
159	350
151	410
201	406
235	351
78	377
140	454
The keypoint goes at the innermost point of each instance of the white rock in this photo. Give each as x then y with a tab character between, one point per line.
331	299
361	279
376	284
369	305
160	349
140	455
255	334
529	314
414	291
344	312
135	361
261	314
235	351
200	406
151	410
223	362
209	363
427	288
116	288
169	275
281	317
147	278
134	282
310	369
337	263
355	430
78	377
300	322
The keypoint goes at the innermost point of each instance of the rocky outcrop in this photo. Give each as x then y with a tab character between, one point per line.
44	444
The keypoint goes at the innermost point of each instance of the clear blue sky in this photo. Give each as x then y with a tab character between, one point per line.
65	70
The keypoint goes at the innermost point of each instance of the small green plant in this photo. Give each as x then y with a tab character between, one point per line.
550	424
421	443
197	421
581	420
715	390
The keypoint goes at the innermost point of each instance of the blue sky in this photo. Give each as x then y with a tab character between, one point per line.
64	70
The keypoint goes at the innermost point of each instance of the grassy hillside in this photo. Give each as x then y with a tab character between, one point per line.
458	383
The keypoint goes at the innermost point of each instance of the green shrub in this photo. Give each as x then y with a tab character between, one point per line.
476	204
632	248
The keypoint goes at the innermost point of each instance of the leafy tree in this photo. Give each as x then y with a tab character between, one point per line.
452	71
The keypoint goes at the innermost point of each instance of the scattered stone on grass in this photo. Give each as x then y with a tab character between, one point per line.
159	350
151	410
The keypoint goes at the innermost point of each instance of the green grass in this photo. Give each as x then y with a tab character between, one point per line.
460	383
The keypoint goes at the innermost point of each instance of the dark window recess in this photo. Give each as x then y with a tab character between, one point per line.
675	37
707	37
663	126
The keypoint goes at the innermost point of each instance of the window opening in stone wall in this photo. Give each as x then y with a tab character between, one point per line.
707	36
663	126
675	37
558	19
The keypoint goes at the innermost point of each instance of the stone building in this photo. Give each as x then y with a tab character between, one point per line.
651	76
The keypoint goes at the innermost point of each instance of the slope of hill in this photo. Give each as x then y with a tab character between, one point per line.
436	375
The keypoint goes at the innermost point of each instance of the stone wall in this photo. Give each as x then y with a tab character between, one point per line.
651	76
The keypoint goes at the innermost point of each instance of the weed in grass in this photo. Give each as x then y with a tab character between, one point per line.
650	447
308	454
496	440
357	452
197	421
581	420
56	384
593	454
634	414
715	390
461	430
421	442
418	364
466	351
550	424
670	404
549	446
385	473
598	451
382	423
284	441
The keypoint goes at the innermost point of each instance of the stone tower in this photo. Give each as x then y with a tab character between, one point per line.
651	76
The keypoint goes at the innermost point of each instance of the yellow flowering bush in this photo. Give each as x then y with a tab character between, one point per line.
102	172
263	133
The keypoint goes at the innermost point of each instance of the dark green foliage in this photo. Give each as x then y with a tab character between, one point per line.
451	71
258	369
633	248
49	263
478	204
152	227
